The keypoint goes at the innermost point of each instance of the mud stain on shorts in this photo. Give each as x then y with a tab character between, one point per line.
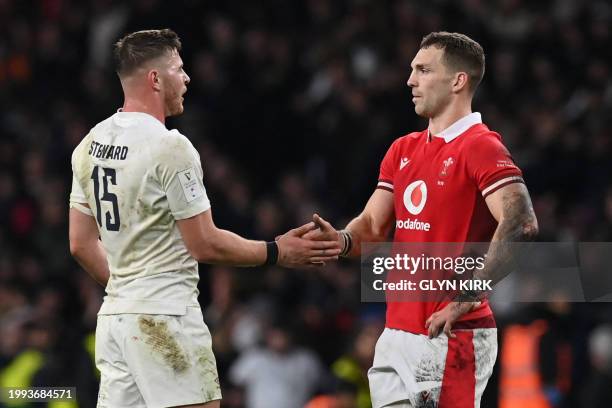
208	369
162	342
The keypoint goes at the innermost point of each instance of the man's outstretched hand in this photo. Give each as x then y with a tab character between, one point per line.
295	249
323	231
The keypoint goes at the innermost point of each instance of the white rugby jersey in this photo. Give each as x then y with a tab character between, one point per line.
138	178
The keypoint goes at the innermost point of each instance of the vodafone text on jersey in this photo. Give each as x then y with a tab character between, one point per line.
415	198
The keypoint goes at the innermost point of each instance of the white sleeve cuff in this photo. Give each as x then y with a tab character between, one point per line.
80	207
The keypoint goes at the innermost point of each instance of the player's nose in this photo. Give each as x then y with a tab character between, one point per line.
411	81
187	79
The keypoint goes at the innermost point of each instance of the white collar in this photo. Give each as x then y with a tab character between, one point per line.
459	127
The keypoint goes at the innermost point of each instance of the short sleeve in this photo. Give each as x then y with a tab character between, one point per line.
387	168
490	164
180	174
77	195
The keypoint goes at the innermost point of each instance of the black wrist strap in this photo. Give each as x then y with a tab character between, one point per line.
271	253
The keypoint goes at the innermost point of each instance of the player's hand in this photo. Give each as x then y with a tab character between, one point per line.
445	318
294	250
324	231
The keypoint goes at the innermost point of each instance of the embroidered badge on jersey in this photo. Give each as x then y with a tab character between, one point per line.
446	164
189	182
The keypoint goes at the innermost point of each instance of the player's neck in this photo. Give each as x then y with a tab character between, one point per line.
447	117
150	107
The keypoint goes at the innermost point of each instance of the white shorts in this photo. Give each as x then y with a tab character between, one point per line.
155	360
411	370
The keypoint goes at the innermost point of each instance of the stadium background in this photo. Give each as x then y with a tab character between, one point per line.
292	105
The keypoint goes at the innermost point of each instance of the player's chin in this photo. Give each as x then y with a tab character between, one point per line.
177	110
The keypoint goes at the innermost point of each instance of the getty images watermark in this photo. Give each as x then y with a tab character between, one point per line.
424	264
537	272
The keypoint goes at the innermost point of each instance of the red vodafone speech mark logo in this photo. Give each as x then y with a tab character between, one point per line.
415	197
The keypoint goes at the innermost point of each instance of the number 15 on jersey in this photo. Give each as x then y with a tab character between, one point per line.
108	175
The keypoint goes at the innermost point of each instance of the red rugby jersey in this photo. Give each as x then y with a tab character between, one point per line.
439	185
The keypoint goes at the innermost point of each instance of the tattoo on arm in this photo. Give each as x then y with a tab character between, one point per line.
518	224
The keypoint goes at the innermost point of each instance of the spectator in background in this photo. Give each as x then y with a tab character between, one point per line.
280	374
597	391
353	366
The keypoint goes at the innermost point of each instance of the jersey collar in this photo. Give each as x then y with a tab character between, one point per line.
459	127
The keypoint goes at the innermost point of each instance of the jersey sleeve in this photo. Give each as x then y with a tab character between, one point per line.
180	175
490	164
387	168
78	200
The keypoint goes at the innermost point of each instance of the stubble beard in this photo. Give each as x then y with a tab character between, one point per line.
420	109
175	106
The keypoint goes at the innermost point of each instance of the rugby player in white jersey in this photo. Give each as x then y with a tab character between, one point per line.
140	221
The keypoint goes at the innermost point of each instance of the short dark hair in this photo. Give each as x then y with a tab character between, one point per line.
461	53
136	48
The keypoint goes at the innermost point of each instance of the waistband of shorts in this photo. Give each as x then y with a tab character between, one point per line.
485	322
113	305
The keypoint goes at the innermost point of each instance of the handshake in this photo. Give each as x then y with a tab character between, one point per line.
311	245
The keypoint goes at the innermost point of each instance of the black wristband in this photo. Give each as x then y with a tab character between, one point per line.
271	253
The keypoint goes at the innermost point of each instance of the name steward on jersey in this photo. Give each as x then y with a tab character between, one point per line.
412	224
102	151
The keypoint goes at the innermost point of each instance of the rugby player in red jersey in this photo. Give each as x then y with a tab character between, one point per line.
452	182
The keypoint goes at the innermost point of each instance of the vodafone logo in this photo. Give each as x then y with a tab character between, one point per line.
415	197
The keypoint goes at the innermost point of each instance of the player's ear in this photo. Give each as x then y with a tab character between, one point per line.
154	79
460	81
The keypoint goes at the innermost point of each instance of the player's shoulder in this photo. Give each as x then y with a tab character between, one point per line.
173	147
408	139
480	133
85	143
481	142
175	136
82	144
172	141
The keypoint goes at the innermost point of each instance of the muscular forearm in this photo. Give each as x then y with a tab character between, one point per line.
518	224
364	229
227	248
93	259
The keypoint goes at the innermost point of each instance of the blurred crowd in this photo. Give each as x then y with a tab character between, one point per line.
292	105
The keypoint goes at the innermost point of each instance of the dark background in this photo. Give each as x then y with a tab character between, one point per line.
292	105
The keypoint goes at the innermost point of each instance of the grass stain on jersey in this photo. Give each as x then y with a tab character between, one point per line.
162	342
